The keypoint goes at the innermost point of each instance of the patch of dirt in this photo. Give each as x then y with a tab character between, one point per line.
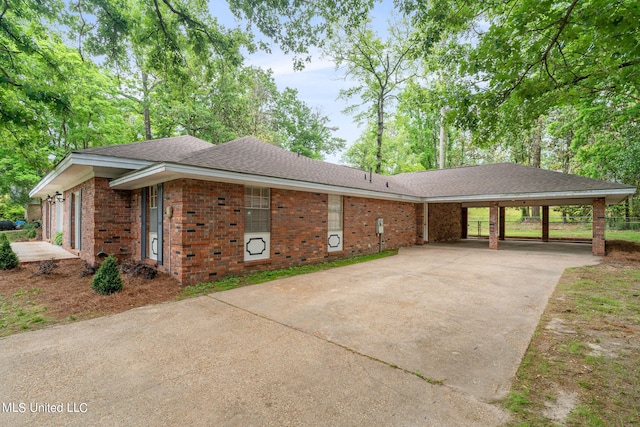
620	250
558	409
583	360
67	296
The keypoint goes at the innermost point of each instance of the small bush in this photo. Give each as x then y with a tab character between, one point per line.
57	239
107	280
46	267
88	269
31	234
8	258
138	269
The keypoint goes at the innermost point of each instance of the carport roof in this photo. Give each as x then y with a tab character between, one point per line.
249	160
510	183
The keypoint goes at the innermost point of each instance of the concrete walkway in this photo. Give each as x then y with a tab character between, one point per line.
39	251
349	346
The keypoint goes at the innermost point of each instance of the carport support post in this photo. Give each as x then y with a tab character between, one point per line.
493	225
502	219
545	223
598	242
464	222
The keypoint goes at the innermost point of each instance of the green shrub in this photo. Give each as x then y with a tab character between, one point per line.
57	239
8	258
107	280
31	234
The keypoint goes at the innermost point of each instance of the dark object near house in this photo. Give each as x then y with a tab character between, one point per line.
46	267
138	269
88	269
7	225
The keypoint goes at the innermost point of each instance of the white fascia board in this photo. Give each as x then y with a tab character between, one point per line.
162	172
593	194
86	160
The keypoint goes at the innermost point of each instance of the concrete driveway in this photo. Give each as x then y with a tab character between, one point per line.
350	346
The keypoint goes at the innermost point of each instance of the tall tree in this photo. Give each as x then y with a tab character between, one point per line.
149	43
380	68
301	129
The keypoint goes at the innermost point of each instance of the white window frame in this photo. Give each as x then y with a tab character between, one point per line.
335	223
257	239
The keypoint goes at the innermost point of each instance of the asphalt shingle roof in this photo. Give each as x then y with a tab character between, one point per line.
252	156
157	150
500	178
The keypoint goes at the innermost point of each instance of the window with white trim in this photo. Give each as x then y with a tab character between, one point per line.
334	222
256	209
257	223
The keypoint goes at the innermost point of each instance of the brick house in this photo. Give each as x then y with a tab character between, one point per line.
203	211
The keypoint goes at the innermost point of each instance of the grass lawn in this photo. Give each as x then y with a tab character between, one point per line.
582	367
14	235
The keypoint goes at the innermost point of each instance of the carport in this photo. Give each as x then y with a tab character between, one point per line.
499	186
497	219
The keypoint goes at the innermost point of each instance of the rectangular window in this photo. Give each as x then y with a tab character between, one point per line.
256	209
335	212
153	196
257	223
334	238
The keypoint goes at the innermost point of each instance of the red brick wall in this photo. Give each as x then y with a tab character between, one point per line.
112	219
598	242
135	220
445	222
298	227
359	225
47	218
87	252
419	223
204	240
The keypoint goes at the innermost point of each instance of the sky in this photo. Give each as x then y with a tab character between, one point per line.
318	84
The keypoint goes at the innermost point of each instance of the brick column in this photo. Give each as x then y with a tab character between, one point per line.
598	242
464	222
493	225
501	219
420	223
545	223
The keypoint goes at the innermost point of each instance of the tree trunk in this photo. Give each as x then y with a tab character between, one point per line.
380	132
536	146
145	106
443	138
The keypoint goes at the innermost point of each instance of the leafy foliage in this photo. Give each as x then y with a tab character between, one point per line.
107	280
380	68
8	258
